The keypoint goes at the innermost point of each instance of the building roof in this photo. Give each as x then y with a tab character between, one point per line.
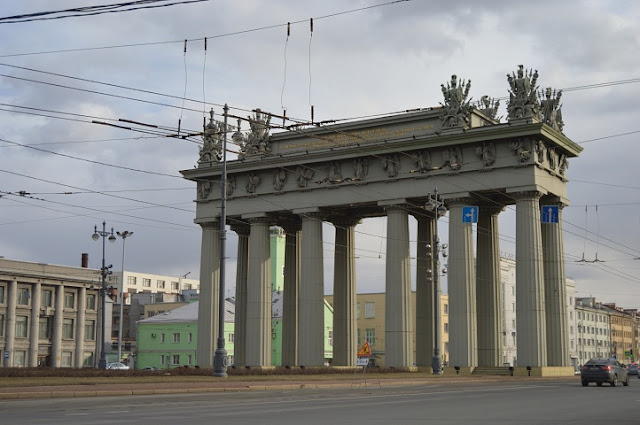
189	313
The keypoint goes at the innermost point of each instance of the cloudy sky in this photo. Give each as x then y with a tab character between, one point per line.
364	57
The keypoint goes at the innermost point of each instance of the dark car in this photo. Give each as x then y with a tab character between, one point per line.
633	368
604	370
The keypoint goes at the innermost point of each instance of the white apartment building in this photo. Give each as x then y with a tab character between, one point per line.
509	331
508	281
135	282
593	330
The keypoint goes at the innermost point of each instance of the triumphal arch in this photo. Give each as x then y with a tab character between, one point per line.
387	167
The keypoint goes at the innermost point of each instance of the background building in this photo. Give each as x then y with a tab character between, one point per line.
49	315
169	339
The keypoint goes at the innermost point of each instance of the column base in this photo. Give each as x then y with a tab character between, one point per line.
543	371
458	370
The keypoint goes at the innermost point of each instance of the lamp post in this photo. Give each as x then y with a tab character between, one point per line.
124	235
104	271
436	205
220	357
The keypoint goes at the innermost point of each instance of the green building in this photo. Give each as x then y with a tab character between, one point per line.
170	339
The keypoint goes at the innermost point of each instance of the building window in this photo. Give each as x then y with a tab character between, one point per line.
358	311
20	358
446	328
2	291
161	337
188	286
189	359
22	326
232	338
90	330
369	310
359	338
513	290
47	298
446	309
23	296
175	286
371	336
131	281
67	356
91	302
175	359
44	328
513	323
160	284
87	359
176	337
67	328
146	282
1	324
513	306
69	300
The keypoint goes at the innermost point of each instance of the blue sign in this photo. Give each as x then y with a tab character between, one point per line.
6	354
550	213
470	214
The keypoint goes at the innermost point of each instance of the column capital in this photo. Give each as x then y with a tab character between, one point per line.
491	209
242	229
208	225
291	225
527	194
457	202
263	219
343	220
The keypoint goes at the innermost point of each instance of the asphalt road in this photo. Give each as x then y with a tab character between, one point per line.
506	402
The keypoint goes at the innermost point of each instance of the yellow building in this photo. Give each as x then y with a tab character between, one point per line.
622	333
371	324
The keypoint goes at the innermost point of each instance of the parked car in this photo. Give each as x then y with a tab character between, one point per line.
604	370
633	368
117	366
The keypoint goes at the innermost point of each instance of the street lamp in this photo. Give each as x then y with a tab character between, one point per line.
220	358
104	271
124	235
436	205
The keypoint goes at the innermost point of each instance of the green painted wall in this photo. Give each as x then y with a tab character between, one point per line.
277	242
152	350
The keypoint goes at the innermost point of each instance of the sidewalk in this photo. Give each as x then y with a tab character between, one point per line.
224	385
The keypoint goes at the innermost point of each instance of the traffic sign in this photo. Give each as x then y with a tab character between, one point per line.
362	361
550	213
365	351
470	214
6	354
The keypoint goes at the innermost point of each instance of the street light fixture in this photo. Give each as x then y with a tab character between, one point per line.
124	235
436	205
104	271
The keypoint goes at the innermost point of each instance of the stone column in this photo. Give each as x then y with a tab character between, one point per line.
555	290
345	326
209	293
463	337
56	340
425	296
10	334
311	312
488	288
258	340
530	318
291	293
240	325
80	322
35	324
398	324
